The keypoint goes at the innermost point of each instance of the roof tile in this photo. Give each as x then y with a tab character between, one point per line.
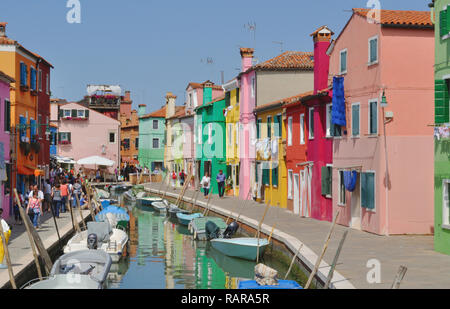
396	17
289	60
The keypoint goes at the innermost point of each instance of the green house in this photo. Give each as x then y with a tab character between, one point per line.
441	10
210	137
152	138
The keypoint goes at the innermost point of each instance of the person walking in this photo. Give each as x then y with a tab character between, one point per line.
57	199
182	178
174	180
221	183
7	234
76	191
35	208
64	195
47	196
206	180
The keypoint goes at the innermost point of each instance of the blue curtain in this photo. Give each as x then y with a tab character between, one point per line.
338	109
350	180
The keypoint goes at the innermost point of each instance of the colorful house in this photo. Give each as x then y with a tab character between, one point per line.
441	13
22	64
151	136
232	126
90	133
382	179
5	140
211	144
129	136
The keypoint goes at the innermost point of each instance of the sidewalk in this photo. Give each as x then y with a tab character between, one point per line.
426	268
19	244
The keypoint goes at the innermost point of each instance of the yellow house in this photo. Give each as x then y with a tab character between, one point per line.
271	173
232	135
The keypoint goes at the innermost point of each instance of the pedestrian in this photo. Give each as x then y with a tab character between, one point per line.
7	234
221	183
205	183
98	176
17	216
47	195
57	199
174	180
34	209
76	191
64	195
182	177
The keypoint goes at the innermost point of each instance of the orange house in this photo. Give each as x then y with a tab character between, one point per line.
23	66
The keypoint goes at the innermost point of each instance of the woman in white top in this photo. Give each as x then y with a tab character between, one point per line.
206	181
7	233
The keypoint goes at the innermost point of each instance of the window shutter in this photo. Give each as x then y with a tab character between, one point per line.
74	113
373	118
368	190
326	181
373	50
7	116
60	113
269	127
22	74
33	78
355	120
275	176
266	175
59	138
86	113
443	23
441	101
69	137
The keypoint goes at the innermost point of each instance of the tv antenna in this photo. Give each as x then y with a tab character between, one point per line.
251	27
208	60
279	43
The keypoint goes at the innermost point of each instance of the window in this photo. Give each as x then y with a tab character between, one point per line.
136	143
269	127
328	119
126	143
40	80
373	50
311	123
210	134
155	124
33	82
80	113
342	196
368	190
7	120
47	84
67	113
112	137
302	129
441	101
326	181
290	179
290	131
39	126
230	134
355	120
445	203
373	117
23	74
258	128
275	176
265	174
343	62
64	137
444	20
277	126
237	133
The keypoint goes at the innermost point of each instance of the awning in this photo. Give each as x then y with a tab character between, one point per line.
22	170
38	173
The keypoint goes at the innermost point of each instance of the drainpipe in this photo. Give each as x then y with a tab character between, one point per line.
37	113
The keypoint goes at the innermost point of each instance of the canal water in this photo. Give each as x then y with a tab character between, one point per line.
163	255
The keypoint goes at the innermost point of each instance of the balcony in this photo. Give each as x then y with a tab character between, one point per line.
104	101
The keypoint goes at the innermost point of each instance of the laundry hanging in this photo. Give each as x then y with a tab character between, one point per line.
338	108
350	180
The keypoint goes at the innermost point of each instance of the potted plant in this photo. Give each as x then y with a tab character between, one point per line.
229	186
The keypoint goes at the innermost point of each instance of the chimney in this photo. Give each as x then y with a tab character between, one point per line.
170	104
142	110
127	96
207	91
247	58
322	40
3	30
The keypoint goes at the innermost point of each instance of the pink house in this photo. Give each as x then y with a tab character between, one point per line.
382	179
83	132
5	123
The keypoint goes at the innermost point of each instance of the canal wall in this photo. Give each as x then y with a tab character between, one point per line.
306	259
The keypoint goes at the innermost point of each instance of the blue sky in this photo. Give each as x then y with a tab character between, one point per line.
151	47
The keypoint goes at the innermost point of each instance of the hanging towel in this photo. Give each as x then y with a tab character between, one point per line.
338	109
350	180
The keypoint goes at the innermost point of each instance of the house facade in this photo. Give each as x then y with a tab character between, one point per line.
385	105
152	138
129	136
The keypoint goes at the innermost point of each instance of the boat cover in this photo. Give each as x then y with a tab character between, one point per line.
101	229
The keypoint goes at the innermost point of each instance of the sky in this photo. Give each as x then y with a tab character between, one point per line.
153	47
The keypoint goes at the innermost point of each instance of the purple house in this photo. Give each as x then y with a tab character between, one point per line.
5	124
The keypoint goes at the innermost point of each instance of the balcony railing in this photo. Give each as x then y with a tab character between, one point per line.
104	101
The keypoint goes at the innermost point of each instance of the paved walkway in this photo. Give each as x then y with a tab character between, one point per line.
19	244
426	268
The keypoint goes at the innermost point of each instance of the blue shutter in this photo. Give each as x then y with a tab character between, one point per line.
23	128
355	120
22	74
33	78
32	129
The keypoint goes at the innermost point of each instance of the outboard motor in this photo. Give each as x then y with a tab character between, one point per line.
92	242
212	230
231	230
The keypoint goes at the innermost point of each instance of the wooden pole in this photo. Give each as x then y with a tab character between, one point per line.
162	182
271	233
292	262
70	210
197	192
236	206
207	204
56	225
35	239
399	277
259	230
183	190
336	257
8	258
313	273
81	213
74	220
88	193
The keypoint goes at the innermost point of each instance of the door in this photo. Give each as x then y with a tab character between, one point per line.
296	185
303	194
355	221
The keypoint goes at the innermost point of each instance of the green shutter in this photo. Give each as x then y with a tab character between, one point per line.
86	113
269	127
355	120
373	118
441	102
227	99
368	190
74	113
69	137
326	176
277	125
59	138
266	174
443	22
275	176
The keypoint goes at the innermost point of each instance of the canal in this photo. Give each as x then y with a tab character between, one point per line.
163	255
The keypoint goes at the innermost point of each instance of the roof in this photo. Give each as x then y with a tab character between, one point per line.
161	113
290	60
7	77
400	18
179	111
8	41
286	102
200	85
221	98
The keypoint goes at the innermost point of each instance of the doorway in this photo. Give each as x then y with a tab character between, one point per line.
355	221
296	185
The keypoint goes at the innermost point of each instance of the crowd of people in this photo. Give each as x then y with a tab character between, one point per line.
56	194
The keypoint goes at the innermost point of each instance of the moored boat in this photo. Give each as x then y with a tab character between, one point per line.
185	219
241	247
198	226
159	207
282	284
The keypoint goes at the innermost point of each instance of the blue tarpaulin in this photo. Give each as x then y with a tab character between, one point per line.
338	109
120	213
350	180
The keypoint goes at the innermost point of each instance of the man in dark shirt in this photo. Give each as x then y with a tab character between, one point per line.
221	183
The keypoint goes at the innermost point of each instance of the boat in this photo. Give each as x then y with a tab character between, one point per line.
102	194
198	226
148	201
282	284
234	267
129	196
108	239
185	219
119	215
241	247
159	207
86	269
172	210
